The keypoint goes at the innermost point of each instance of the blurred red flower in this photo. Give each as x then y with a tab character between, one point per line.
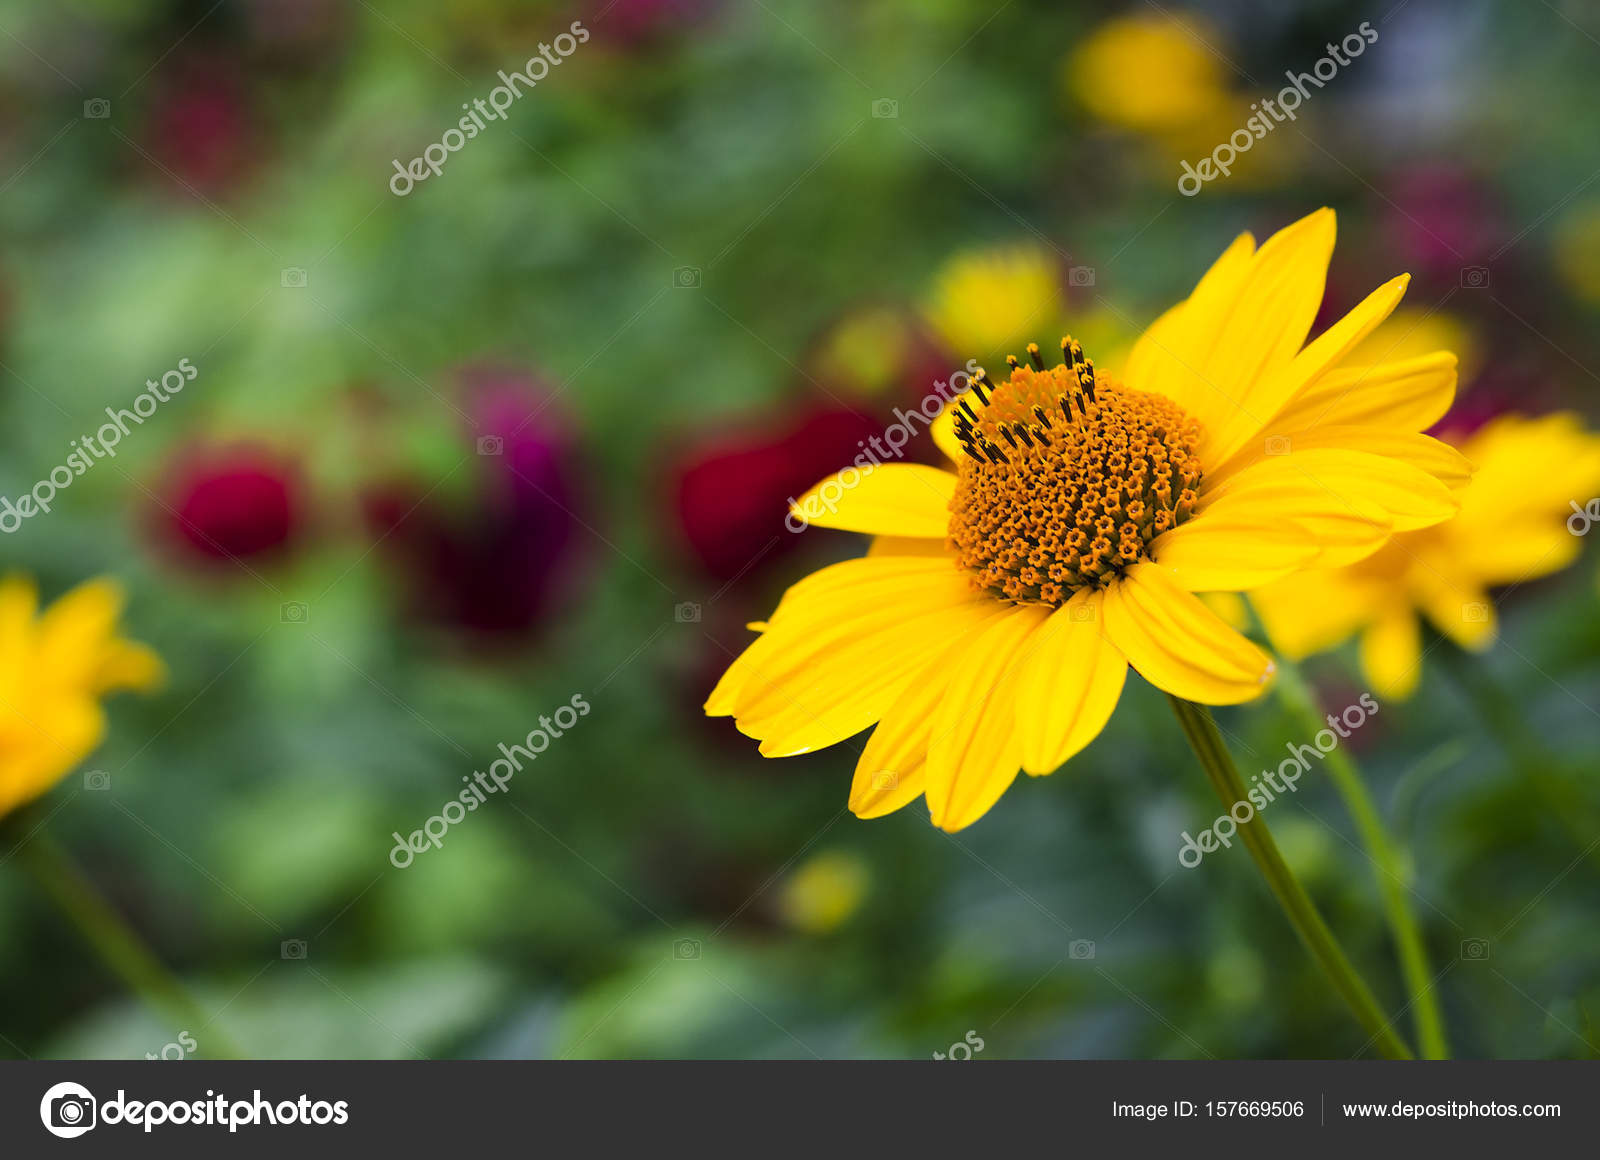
224	503
200	124
732	492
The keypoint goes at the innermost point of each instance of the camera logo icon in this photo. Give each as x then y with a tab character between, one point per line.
1083	613
67	1110
96	779
1081	948
1278	445
885	109
1476	949
292	948
1474	277
1475	613
687	277
96	109
1080	276
491	445
686	613
294	612
686	948
294	276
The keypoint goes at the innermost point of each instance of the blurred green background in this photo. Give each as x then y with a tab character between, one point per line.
526	432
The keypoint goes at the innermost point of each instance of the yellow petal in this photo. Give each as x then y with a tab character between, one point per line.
56	737
1459	608
1391	653
876	793
1167	357
833	596
1178	644
943	429
853	583
1341	528
823	673
974	752
19	605
892	499
1071	678
1411	395
1516	551
75	629
1349	500
125	664
1257	331
1423	452
891	771
1215	553
1281	387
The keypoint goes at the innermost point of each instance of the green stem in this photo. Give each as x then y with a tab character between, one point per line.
1394	879
121	949
1297	906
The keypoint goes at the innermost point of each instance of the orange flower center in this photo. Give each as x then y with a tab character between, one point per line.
1068	476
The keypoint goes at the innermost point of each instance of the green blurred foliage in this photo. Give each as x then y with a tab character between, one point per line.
253	802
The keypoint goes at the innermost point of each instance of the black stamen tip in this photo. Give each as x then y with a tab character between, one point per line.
1034	357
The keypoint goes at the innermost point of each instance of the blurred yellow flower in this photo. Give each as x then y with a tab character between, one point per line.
1150	74
824	892
54	668
867	351
988	301
1513	526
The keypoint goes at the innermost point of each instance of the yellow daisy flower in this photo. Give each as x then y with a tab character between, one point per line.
991	626
1513	527
54	668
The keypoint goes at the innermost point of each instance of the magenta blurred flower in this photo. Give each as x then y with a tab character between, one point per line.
493	565
1441	224
226	503
201	127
